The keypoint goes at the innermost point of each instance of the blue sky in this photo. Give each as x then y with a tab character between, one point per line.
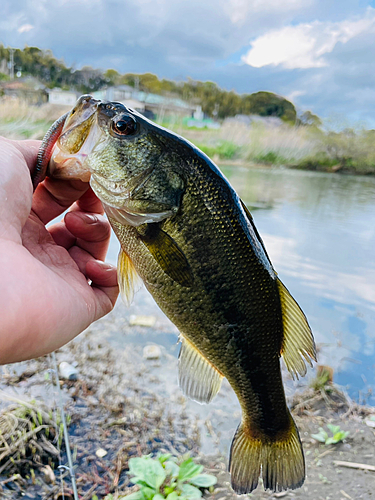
318	53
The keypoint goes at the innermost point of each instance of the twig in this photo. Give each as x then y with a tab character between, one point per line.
345	494
352	465
9	480
324	453
87	495
24	438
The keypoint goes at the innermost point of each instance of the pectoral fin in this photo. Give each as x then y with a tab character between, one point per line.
298	343
167	254
128	278
198	378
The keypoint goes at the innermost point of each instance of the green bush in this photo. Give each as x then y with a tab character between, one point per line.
337	435
162	478
224	149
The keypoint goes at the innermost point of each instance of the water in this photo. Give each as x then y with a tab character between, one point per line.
319	233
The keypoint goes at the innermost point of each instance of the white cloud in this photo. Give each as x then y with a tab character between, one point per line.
25	28
304	45
292	96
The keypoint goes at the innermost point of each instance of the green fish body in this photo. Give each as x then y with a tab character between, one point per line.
184	231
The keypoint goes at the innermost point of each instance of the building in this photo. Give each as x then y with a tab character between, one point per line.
145	102
62	97
27	89
121	93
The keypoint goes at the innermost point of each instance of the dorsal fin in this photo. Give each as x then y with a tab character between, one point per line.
251	221
198	378
298	343
128	278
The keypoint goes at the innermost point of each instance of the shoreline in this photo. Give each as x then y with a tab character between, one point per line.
116	406
340	170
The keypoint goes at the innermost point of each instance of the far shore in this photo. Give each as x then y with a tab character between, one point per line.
256	145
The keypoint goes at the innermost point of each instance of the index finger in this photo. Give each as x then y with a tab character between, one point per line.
53	196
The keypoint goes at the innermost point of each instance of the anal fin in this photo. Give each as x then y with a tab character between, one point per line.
198	378
298	343
128	278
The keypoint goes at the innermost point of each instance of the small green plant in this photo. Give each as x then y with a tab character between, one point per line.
323	379
162	478
226	150
337	435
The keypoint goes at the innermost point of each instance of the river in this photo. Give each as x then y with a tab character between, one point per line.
319	233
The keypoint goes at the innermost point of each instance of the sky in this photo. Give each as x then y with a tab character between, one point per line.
318	53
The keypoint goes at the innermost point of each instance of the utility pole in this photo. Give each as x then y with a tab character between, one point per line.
11	63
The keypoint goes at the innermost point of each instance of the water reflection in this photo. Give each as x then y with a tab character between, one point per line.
319	232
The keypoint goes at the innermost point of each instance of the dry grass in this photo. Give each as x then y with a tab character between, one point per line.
258	142
18	120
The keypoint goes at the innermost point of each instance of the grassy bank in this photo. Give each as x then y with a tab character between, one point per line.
308	148
21	121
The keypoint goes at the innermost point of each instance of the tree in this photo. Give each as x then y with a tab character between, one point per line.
309	119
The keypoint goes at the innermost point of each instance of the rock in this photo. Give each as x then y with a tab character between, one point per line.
49	475
142	320
151	352
68	371
100	453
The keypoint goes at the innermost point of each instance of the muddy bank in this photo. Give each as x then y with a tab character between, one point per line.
126	405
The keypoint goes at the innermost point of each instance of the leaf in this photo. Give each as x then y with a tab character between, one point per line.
172	468
188	470
190	491
319	437
138	495
173	496
163	457
147	470
158	496
340	436
333	428
155	474
204	480
139	481
137	467
148	493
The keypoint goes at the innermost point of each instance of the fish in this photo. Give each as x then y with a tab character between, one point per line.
188	236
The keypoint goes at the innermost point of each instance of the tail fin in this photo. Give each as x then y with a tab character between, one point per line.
281	463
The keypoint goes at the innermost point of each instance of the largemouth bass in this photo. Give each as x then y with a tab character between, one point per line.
184	231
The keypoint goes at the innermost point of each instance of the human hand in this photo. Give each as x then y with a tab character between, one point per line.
45	296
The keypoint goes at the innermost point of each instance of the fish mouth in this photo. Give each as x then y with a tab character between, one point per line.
77	125
78	138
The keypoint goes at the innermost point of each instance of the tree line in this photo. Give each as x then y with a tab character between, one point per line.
215	102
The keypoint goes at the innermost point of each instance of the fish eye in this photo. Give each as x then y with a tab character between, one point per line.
125	125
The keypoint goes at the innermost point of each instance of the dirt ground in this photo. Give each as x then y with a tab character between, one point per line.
118	404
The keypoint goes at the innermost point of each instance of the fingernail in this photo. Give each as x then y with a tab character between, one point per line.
89	218
105	266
